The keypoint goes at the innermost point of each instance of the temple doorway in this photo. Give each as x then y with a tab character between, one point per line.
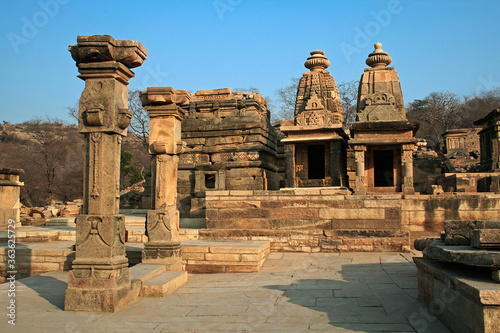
383	165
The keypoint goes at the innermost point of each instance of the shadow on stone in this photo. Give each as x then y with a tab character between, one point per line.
48	287
362	297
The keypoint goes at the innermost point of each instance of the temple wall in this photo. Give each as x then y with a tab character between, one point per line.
323	220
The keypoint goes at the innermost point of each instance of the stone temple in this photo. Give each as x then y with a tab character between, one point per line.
229	190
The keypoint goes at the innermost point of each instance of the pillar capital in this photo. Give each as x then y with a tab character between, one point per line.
104	64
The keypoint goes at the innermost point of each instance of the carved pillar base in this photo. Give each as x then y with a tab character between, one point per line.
98	287
164	246
99	279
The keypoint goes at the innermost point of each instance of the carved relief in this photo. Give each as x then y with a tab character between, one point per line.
379	107
96	233
95	138
94	115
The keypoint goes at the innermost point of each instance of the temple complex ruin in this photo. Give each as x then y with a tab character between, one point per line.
303	185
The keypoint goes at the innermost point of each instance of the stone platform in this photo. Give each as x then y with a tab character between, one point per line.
224	256
293	292
464	298
35	258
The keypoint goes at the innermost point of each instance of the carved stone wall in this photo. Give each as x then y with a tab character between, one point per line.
230	144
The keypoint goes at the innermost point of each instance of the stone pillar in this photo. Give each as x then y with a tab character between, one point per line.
407	168
10	189
100	276
336	163
163	105
359	155
290	178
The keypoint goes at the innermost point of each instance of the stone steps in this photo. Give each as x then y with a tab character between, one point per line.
157	280
165	283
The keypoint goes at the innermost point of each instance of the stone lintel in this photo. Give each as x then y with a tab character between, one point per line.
312	138
382	141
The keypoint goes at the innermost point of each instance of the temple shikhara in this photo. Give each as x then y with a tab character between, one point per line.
229	188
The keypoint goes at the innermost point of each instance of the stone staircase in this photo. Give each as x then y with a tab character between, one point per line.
155	280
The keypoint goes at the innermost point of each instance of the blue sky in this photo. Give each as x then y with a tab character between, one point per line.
435	45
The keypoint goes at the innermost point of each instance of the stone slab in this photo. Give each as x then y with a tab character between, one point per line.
165	283
486	239
463	254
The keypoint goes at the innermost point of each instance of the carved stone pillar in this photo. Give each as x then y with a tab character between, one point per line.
359	155
290	173
162	224
407	169
100	276
10	189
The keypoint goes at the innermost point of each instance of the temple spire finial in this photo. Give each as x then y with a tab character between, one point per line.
378	58
317	61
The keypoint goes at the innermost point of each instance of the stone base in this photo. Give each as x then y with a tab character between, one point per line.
462	297
99	288
168	253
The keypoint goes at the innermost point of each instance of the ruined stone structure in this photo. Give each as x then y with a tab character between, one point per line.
462	140
490	141
163	105
100	276
231	145
315	144
10	188
382	139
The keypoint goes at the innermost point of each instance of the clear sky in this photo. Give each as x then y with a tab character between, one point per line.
435	45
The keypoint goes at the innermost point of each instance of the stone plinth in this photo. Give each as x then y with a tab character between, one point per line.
100	276
10	189
462	298
163	105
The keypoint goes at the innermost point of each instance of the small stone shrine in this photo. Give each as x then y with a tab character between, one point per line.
382	138
100	277
163	105
315	143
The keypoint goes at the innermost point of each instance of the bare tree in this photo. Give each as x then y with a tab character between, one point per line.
139	124
437	113
286	98
348	92
73	111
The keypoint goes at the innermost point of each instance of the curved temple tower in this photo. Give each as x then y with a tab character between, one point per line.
382	138
315	144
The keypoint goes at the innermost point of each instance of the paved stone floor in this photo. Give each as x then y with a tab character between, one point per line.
294	292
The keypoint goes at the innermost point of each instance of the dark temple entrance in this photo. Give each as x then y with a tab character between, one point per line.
316	161
383	165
